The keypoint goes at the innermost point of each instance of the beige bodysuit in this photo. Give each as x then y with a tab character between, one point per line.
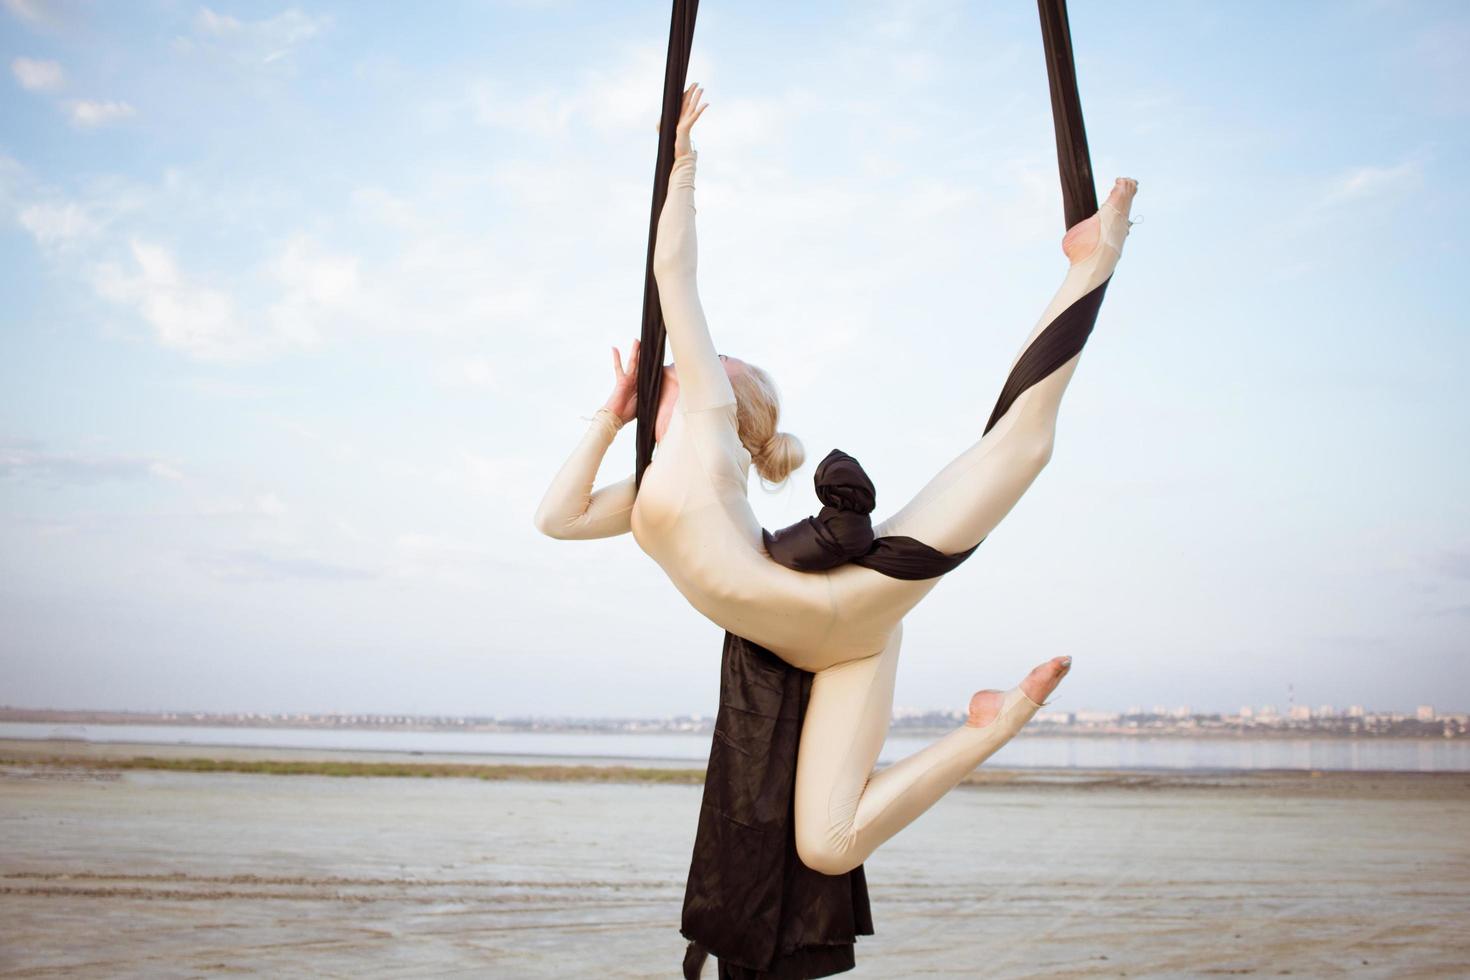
693	517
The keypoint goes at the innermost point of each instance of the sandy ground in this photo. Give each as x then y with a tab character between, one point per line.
162	874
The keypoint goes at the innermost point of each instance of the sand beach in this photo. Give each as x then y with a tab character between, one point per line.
109	871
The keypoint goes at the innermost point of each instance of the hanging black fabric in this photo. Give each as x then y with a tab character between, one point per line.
1074	163
651	345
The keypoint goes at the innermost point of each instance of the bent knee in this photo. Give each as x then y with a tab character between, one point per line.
827	854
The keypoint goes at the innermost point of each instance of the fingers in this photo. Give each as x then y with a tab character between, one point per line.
618	371
687	109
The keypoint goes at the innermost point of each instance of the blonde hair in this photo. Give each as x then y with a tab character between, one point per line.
775	455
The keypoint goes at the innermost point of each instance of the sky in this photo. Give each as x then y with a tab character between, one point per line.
304	305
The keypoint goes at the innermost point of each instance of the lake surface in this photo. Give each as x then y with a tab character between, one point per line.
1026	751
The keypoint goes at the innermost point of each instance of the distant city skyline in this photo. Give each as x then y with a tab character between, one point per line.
306	303
1421	712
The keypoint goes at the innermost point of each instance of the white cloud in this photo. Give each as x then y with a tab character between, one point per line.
90	112
338	449
209	22
30	460
267	505
242	565
624	95
12	177
1367	182
318	288
58	225
30	11
213	387
474	372
308	292
444	560
270	505
37	76
256	43
604	99
384	208
196	319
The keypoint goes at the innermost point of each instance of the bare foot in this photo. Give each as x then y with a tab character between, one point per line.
1081	239
1037	686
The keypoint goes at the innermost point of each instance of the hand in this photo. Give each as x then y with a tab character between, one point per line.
688	114
623	402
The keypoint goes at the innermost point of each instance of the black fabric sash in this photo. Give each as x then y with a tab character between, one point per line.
842	531
1058	343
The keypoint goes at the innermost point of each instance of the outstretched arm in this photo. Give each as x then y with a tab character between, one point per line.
571	508
702	379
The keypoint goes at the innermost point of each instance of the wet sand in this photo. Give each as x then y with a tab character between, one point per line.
140	873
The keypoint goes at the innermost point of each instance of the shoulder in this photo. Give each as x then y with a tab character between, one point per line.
715	435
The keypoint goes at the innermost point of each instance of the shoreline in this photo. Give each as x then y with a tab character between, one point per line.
1041	730
25	759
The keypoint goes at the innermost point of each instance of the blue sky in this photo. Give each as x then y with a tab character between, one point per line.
304	305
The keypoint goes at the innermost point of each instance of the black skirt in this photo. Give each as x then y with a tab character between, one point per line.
749	900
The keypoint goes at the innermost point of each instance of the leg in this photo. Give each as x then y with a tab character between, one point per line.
843	809
962	504
970	496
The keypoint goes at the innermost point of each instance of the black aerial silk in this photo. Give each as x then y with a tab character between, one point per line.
749	900
650	381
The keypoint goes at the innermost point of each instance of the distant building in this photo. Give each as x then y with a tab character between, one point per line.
1096	717
1301	712
1356	711
1326	711
1425	712
1247	711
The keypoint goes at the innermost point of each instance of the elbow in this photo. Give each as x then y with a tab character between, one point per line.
671	259
1039	451
665	265
547	523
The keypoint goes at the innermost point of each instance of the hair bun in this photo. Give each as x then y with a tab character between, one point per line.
775	454
779	456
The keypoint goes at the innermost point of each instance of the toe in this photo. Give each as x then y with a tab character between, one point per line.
1045	678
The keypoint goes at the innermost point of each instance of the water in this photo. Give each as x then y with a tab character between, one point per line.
1027	751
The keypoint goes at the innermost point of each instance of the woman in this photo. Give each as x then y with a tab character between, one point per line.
717	416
